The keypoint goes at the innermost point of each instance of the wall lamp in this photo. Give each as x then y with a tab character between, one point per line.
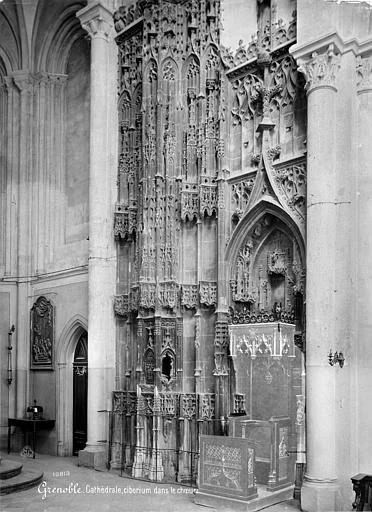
10	348
336	358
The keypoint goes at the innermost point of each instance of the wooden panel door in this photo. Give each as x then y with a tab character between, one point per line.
80	376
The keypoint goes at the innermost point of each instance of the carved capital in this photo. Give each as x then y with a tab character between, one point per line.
8	83
321	69
23	81
97	20
364	74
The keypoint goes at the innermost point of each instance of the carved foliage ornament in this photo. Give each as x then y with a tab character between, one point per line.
170	405
147	295
189	298
97	21
364	73
292	184
269	36
208	293
168	294
321	69
42	334
126	303
240	194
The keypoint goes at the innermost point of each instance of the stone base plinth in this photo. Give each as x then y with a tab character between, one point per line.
319	497
93	458
263	500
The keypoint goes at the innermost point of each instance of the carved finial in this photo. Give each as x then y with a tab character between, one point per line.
263	57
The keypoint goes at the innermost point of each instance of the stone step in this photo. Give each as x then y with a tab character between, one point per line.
28	478
9	469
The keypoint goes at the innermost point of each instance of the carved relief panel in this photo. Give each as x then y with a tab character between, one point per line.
42	335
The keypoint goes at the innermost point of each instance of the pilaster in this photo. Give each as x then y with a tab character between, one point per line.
363	253
24	83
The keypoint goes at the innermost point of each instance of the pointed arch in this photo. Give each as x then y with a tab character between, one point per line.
68	339
191	73
69	336
250	219
168	67
10	48
52	47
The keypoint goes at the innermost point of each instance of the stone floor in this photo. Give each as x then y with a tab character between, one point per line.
69	488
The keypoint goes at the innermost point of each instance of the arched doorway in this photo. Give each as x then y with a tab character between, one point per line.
80	392
73	331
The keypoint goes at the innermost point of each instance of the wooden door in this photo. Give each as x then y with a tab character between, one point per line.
80	376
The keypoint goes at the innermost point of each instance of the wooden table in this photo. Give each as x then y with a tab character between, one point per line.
29	426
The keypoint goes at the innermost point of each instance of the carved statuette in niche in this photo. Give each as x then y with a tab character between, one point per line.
42	335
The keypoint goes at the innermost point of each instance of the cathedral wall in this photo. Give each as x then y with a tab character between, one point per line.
239	20
44	155
7	308
77	142
320	17
69	297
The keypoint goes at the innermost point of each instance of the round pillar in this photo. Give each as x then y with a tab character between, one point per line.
97	20
320	483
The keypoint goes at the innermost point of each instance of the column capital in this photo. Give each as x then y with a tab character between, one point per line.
8	82
97	20
23	80
364	74
320	69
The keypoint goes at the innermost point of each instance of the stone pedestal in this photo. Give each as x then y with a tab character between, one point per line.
97	20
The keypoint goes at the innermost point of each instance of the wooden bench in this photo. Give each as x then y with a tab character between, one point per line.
362	486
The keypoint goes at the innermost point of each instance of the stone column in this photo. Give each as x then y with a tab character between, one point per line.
320	483
97	20
364	251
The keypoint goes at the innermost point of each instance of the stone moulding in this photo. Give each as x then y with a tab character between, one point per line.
188	406
262	339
